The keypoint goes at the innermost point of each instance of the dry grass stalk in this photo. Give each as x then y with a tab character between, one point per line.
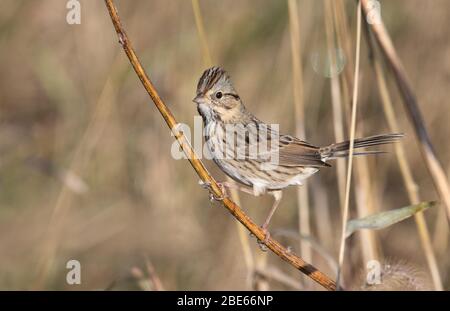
405	169
338	117
441	233
202	34
200	169
243	236
298	94
363	186
352	137
412	107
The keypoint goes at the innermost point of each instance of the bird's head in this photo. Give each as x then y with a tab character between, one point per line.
216	96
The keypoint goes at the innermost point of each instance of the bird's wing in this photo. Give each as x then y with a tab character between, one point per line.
291	151
295	152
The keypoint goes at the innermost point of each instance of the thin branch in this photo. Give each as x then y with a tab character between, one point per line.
412	107
352	138
199	167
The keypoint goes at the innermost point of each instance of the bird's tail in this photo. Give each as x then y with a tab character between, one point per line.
340	150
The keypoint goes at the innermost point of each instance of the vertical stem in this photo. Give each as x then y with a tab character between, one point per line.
405	169
297	81
352	138
338	117
363	184
201	33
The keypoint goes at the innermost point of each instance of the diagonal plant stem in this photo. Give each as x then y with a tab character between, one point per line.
412	107
200	169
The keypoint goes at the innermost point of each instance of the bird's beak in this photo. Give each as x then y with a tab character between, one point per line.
198	99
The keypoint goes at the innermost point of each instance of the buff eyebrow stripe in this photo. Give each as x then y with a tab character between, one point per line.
233	95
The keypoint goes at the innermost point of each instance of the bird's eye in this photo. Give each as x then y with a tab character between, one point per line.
219	95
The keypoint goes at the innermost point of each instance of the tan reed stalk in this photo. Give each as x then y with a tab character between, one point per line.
352	138
344	41
243	236
410	102
199	167
322	208
441	233
365	205
201	33
298	94
338	118
405	168
364	197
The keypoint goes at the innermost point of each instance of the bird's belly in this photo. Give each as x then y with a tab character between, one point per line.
233	170
252	174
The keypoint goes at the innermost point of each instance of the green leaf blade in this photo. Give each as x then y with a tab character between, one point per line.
386	219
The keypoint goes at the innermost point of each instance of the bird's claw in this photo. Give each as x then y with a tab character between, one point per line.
263	244
212	196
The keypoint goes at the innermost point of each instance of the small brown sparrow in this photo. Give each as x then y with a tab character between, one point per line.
236	140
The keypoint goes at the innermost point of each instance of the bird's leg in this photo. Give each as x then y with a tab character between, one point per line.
277	198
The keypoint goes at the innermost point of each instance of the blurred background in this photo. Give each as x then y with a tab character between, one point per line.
86	170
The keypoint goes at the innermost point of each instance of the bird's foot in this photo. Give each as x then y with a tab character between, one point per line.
263	243
212	195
